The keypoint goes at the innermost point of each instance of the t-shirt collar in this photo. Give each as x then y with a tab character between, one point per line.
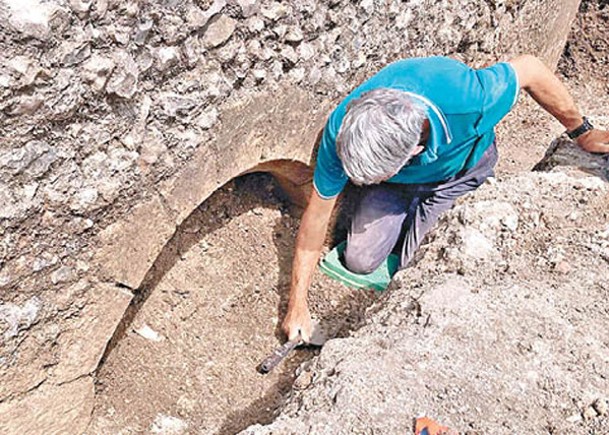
439	134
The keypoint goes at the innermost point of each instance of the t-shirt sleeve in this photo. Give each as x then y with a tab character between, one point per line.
329	178
500	88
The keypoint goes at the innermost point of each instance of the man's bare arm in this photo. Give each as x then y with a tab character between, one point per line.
545	88
309	243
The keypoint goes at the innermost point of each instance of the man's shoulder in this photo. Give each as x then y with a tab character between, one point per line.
415	74
449	83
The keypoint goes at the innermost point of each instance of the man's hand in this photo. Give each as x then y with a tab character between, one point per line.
594	141
298	321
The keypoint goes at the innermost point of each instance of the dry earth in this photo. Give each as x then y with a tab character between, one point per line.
501	328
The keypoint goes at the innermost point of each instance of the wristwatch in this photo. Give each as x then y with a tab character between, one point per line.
586	126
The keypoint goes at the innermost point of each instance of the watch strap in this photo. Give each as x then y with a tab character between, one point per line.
583	128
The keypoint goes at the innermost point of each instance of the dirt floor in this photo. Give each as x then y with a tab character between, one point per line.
212	312
211	308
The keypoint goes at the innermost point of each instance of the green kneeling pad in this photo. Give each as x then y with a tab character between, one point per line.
378	280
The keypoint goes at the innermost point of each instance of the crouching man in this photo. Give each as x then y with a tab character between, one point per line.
419	134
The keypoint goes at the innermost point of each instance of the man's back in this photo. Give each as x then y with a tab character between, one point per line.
463	106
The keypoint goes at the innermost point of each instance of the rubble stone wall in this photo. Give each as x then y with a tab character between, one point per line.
118	118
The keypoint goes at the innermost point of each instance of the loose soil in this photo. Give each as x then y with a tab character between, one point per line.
216	299
500	328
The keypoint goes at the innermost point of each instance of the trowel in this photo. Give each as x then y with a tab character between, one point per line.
318	338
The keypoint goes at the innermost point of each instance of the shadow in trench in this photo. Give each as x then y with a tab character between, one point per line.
350	314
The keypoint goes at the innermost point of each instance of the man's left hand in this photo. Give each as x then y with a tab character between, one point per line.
594	141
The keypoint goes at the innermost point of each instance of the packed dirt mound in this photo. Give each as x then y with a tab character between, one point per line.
500	328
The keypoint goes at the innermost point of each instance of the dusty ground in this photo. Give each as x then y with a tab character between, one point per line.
586	55
215	301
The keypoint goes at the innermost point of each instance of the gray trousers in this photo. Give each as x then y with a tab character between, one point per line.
390	215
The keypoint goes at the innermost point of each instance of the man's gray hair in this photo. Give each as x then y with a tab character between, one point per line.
378	135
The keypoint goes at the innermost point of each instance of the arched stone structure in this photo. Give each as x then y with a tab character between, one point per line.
258	142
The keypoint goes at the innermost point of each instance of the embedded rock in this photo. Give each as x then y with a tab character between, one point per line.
32	18
123	81
97	70
564	152
219	32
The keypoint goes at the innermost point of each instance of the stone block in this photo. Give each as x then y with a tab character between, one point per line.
59	336
84	339
194	183
50	409
256	142
130	246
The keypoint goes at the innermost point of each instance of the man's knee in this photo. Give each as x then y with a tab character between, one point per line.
360	261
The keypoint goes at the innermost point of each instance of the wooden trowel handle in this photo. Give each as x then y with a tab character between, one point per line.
278	355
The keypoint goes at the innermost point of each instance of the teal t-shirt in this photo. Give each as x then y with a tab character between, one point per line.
463	106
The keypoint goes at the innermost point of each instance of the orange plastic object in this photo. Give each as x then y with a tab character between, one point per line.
426	426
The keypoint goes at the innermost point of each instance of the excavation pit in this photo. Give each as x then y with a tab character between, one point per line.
208	313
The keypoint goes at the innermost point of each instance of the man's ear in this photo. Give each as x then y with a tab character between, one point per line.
417	150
